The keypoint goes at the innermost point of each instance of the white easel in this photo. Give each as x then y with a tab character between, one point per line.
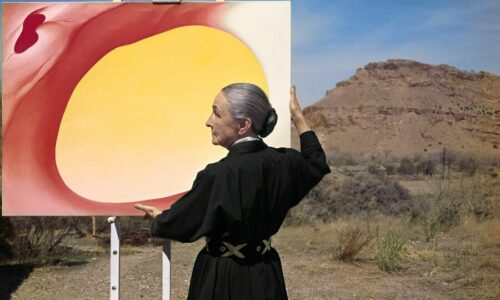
114	270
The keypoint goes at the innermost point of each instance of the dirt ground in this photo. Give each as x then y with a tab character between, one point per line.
306	253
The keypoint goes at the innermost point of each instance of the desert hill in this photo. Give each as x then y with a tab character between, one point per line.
403	107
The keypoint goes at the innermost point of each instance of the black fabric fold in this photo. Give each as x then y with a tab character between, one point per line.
244	197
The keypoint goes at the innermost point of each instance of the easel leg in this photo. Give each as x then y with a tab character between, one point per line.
166	270
114	275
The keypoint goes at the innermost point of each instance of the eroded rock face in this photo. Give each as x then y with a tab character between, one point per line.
407	107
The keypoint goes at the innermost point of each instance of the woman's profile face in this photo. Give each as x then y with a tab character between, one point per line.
224	127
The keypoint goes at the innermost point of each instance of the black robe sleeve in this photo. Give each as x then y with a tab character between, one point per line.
189	218
213	205
309	166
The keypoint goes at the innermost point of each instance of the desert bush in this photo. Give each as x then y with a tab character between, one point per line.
389	251
317	205
390	169
352	196
475	199
442	212
448	215
452	202
126	223
466	162
445	158
406	167
40	236
132	237
430	227
421	221
372	169
7	234
426	167
365	191
341	158
468	196
492	160
134	223
6	238
300	214
468	165
351	239
132	230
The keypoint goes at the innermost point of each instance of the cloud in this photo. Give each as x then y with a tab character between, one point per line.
310	28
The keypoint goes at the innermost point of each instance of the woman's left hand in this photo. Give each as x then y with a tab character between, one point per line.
298	118
150	211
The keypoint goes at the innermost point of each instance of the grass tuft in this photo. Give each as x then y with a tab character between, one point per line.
389	252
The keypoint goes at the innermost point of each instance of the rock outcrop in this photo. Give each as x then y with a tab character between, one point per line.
405	107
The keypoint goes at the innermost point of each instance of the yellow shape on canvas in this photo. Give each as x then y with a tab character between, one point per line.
134	128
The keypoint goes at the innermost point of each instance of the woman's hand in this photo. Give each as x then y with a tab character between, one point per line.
294	104
150	211
298	118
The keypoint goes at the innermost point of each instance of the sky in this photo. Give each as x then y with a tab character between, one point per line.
331	39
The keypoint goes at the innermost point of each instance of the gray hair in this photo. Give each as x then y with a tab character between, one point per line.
247	100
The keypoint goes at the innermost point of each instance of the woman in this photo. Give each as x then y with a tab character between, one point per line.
239	202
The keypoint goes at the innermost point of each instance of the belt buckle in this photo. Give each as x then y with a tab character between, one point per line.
267	246
226	249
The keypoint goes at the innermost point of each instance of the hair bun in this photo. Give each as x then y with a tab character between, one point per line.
271	120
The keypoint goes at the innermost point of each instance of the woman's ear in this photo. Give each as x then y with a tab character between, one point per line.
245	126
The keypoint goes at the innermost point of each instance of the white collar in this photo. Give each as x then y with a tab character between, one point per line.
246	139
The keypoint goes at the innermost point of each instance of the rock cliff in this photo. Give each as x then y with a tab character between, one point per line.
405	107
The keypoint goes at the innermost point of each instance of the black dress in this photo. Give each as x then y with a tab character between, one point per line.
243	198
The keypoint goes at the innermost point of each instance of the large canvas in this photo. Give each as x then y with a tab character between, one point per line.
104	104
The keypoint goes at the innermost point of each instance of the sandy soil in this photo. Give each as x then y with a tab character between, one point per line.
310	273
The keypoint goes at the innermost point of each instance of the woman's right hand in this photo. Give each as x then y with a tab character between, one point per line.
150	212
298	118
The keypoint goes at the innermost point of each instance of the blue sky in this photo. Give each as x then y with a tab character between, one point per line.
331	39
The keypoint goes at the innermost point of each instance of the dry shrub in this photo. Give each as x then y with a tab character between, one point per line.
336	157
351	239
475	198
454	201
134	231
300	214
137	237
7	235
358	194
429	227
406	167
41	236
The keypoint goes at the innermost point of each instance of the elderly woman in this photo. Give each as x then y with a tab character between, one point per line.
241	201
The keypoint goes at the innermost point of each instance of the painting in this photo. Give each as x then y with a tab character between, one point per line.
105	104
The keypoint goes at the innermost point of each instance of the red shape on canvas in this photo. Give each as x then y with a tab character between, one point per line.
29	36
